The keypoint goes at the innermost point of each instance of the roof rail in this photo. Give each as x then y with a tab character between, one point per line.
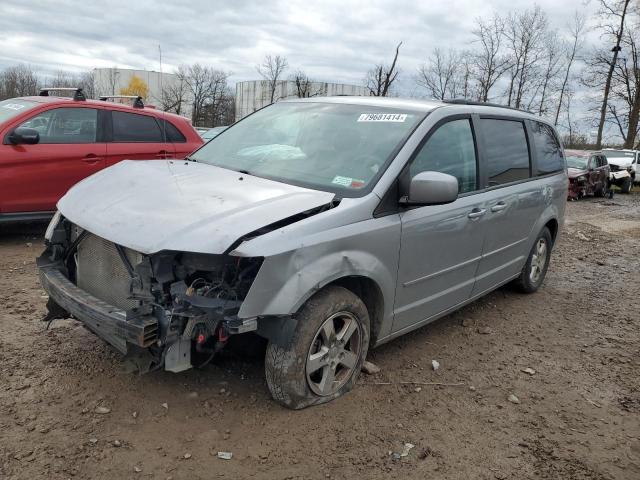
463	101
137	99
78	94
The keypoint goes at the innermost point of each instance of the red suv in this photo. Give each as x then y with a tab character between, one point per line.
50	143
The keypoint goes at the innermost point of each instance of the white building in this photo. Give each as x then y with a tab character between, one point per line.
109	81
253	95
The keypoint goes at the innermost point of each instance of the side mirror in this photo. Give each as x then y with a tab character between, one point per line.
24	136
432	188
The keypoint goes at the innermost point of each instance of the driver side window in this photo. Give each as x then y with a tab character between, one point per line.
450	149
65	125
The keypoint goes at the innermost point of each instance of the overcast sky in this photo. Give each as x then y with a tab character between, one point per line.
330	40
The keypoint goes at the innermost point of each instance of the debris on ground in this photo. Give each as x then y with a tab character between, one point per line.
225	455
102	410
370	368
406	449
528	370
435	365
513	399
165	406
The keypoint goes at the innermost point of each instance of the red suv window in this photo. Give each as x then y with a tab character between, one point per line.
131	127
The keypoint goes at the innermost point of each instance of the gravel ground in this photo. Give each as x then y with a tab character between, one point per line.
68	409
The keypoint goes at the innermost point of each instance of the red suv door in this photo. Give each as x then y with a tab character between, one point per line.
69	149
136	136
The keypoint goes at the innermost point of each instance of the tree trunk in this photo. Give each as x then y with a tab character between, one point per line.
632	128
607	87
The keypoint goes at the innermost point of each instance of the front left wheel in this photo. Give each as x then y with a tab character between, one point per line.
322	359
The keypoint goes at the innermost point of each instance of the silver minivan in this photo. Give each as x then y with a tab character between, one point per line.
326	226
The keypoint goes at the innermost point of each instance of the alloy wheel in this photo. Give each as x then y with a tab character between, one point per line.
334	353
538	260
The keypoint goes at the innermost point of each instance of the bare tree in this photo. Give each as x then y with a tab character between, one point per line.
207	88
613	13
576	39
551	70
525	33
381	77
18	81
489	62
272	69
65	79
87	81
626	88
304	85
174	95
444	75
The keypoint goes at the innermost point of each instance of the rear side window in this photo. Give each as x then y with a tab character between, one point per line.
131	127
506	152
172	133
65	125
548	151
450	149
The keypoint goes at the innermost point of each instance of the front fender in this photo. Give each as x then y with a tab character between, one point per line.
287	280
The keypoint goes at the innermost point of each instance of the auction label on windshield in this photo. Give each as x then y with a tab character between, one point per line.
382	117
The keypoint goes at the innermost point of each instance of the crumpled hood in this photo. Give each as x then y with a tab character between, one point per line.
156	205
575	172
622	162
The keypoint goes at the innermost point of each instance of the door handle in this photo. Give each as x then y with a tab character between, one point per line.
477	213
499	207
91	158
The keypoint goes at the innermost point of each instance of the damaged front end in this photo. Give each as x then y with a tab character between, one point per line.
171	309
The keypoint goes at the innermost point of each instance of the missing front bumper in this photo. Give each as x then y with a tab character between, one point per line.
107	321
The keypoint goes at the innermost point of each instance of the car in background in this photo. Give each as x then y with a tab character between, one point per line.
588	173
212	133
624	167
49	143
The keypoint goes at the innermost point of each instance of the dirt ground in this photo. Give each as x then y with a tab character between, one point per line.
578	415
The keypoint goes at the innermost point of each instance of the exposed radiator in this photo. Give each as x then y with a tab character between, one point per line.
102	273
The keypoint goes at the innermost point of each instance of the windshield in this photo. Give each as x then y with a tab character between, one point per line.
577	162
14	107
618	154
333	147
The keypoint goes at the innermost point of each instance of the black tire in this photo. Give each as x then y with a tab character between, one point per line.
626	185
602	191
286	365
526	282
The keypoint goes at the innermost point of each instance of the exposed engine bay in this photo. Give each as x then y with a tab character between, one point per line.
171	309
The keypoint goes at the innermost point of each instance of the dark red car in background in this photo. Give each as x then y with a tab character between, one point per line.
51	143
588	173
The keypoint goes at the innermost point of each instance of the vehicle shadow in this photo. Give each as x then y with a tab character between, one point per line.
19	231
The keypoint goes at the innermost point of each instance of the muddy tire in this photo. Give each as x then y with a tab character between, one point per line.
602	191
535	268
323	357
626	185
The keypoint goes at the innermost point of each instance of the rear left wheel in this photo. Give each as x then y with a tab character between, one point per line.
535	268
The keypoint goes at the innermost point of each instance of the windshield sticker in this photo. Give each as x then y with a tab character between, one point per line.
347	182
13	106
382	117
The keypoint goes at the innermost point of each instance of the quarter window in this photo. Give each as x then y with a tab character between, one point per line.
172	134
548	151
451	149
131	127
65	125
506	152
